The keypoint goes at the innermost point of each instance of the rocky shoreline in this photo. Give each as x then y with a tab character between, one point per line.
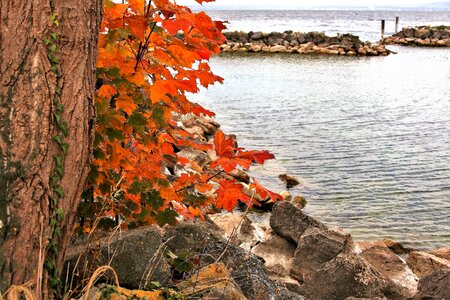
301	43
286	255
280	253
423	36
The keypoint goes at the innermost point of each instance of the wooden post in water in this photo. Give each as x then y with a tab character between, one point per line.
396	24
383	23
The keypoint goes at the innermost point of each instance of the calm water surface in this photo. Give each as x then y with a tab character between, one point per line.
368	137
365	24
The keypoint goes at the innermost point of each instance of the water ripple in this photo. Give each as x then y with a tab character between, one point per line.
369	138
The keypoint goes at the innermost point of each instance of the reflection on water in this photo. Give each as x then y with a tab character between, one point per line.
368	137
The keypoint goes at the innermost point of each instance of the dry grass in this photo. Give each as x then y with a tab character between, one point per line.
95	276
15	292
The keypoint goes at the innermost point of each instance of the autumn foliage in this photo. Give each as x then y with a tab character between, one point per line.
150	56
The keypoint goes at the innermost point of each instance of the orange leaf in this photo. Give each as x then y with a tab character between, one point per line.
127	105
265	193
173	26
203	187
137	5
160	88
194	211
256	156
224	146
229	193
198	110
107	91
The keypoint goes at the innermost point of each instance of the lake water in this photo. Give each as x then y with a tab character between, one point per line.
369	137
365	24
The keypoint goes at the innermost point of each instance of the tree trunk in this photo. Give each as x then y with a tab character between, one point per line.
30	90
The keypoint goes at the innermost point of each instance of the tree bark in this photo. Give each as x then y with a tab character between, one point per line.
27	127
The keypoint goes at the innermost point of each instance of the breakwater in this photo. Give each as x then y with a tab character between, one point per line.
425	36
302	43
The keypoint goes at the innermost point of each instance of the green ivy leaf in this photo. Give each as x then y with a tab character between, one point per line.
114	134
53	222
137	119
59	213
153	199
60	171
59	191
167	216
107	223
64	148
49	265
182	265
158	116
58	159
52	48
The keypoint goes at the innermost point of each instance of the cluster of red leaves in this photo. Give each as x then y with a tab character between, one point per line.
150	56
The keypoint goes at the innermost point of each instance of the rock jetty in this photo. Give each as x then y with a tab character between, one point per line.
424	36
302	43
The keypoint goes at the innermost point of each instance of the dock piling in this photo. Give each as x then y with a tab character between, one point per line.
396	24
383	25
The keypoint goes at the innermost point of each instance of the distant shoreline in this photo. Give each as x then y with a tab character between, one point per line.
234	8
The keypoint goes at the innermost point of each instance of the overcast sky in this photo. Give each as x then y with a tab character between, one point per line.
303	3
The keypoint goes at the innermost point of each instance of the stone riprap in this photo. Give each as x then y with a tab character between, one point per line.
302	43
424	36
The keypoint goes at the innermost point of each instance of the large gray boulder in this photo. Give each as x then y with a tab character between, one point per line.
290	222
202	243
316	247
345	276
434	286
134	254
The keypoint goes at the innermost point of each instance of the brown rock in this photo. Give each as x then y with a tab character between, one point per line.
235	47
286	195
423	263
240	176
200	157
290	222
316	247
212	282
277	254
441	252
299	201
255	48
435	285
391	267
239	229
278	49
396	247
308	46
225	48
345	276
362	51
290	180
